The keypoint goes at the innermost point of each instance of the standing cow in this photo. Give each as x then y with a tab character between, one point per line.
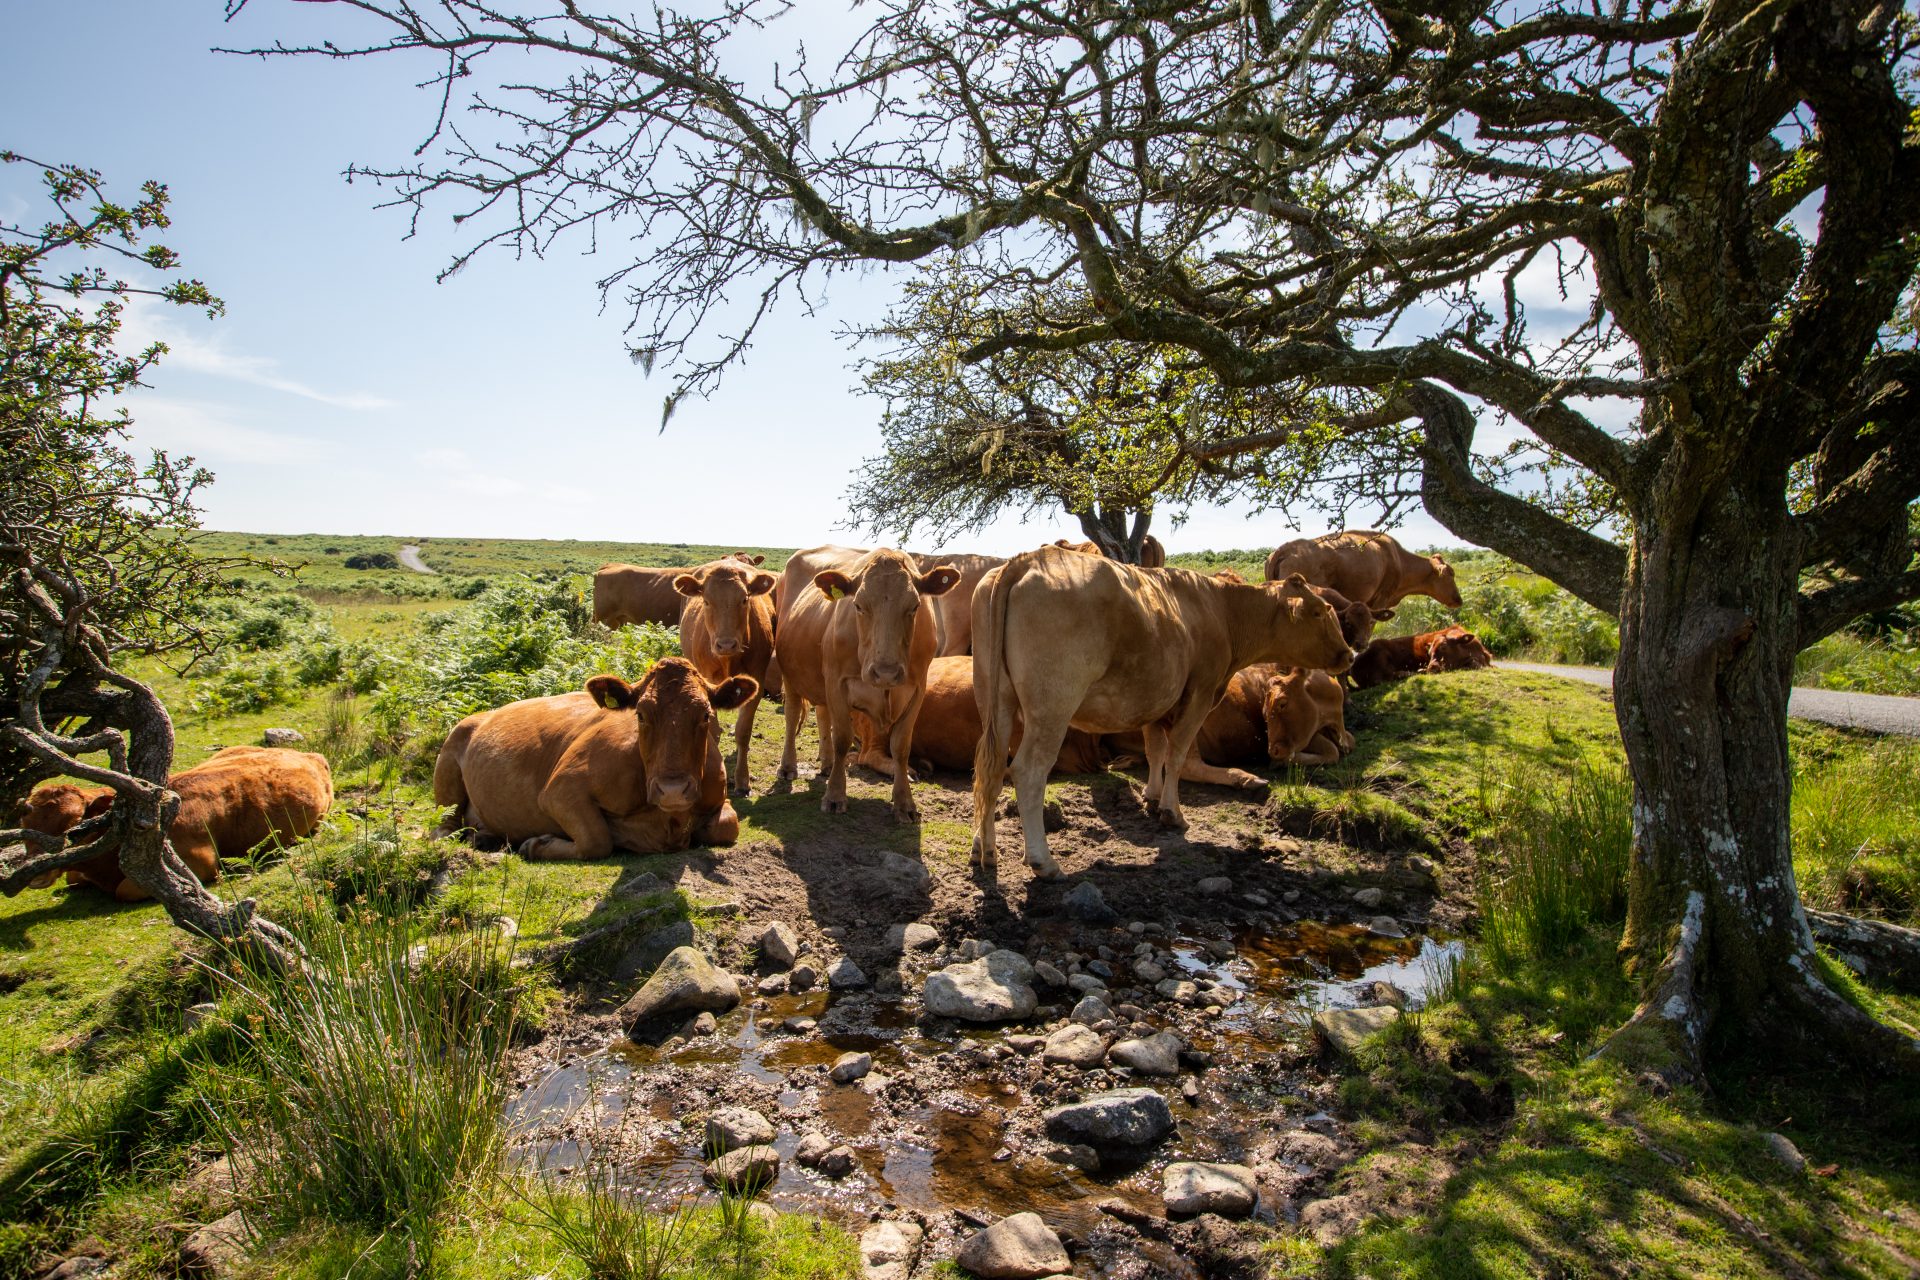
726	629
626	595
576	776
1064	640
1363	565
859	637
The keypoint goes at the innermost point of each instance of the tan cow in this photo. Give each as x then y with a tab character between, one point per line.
947	734
621	766
953	610
726	629
1367	566
1153	555
626	595
229	804
1066	640
858	638
1270	714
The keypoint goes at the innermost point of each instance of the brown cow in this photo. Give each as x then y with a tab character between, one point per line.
1270	714
626	595
1397	657
231	802
1366	566
1152	554
1066	640
576	776
947	734
858	638
1357	619
953	611
726	629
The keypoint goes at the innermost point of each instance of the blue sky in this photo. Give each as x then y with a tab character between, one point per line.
346	392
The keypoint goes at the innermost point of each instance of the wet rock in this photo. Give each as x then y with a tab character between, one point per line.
772	985
1027	1045
1149	972
704	1024
845	975
217	1249
1022	1247
1781	1148
745	1169
282	737
1049	974
731	1128
1086	983
1157	1055
1227	1189
849	1067
1370	897
779	945
1074	1046
1343	1030
1178	990
839	1162
803	977
799	1025
646	954
1190	1090
1086	903
1214	885
813	1148
1090	1010
994	988
914	936
684	982
1386	993
1121	1118
888	1250
1385	927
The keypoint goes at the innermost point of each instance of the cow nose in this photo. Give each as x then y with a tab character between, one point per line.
726	646
672	791
885	675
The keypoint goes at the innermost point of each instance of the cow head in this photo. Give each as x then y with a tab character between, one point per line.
57	808
1310	626
745	558
1445	589
728	588
1459	650
886	599
675	707
1356	619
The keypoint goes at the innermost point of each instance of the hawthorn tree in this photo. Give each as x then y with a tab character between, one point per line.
95	563
1312	195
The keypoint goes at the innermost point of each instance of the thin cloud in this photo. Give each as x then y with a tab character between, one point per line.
145	323
208	434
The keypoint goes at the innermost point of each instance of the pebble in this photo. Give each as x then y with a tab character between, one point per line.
849	1067
803	978
1049	974
1290	896
993	988
1157	1055
888	1250
1370	897
1178	991
1100	969
703	1025
772	985
1120	1118
813	1147
1086	983
745	1169
1091	1009
839	1162
1781	1148
1149	972
779	944
1214	885
1027	1045
1074	1046
1022	1247
799	1025
845	975
1385	927
1086	903
733	1127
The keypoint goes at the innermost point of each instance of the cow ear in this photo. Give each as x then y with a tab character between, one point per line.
938	581
98	805
612	692
733	692
1383	615
751	559
1297	581
687	585
760	583
833	584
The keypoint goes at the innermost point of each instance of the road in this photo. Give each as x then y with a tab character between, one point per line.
1873	712
410	557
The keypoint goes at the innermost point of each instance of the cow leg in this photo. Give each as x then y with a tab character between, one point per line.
721	830
1198	770
1032	766
836	739
899	747
588	836
795	708
1319	751
1180	736
743	735
1154	738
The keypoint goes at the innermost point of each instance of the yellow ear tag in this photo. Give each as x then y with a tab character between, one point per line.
834	593
610	702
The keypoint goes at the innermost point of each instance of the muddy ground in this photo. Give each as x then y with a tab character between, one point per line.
947	1129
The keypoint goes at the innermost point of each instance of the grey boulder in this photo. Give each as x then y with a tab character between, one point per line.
1226	1189
1120	1118
684	983
995	988
1022	1247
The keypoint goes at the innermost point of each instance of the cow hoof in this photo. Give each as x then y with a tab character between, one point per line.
906	813
788	772
740	789
829	805
530	848
1247	781
1172	821
1048	870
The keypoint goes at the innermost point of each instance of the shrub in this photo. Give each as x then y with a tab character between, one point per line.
372	560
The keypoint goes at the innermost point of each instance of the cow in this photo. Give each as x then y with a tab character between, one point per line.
573	777
1153	555
1397	657
1367	566
726	629
626	595
947	734
953	611
858	638
1270	714
1357	619
229	803
1064	640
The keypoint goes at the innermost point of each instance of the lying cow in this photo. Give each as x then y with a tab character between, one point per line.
232	802
573	777
1153	555
947	734
1397	657
857	638
626	595
726	629
1065	640
1372	568
1270	715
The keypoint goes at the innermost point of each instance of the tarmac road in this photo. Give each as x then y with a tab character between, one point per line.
410	557
1873	712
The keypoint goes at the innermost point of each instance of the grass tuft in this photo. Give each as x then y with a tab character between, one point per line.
1561	863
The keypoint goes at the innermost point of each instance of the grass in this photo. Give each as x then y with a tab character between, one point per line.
1856	830
1561	865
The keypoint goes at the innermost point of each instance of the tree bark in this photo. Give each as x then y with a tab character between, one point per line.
1716	934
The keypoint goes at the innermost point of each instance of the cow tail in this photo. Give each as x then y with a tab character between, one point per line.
992	690
449	780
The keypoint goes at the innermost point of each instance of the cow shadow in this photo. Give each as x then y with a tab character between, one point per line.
60	908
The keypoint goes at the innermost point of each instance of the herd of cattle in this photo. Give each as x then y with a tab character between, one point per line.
1057	659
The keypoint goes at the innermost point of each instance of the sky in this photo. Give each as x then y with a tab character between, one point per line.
345	391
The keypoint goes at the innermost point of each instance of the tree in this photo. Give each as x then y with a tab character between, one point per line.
1108	433
96	562
1317	195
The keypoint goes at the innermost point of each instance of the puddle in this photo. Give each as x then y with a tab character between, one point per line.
943	1137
